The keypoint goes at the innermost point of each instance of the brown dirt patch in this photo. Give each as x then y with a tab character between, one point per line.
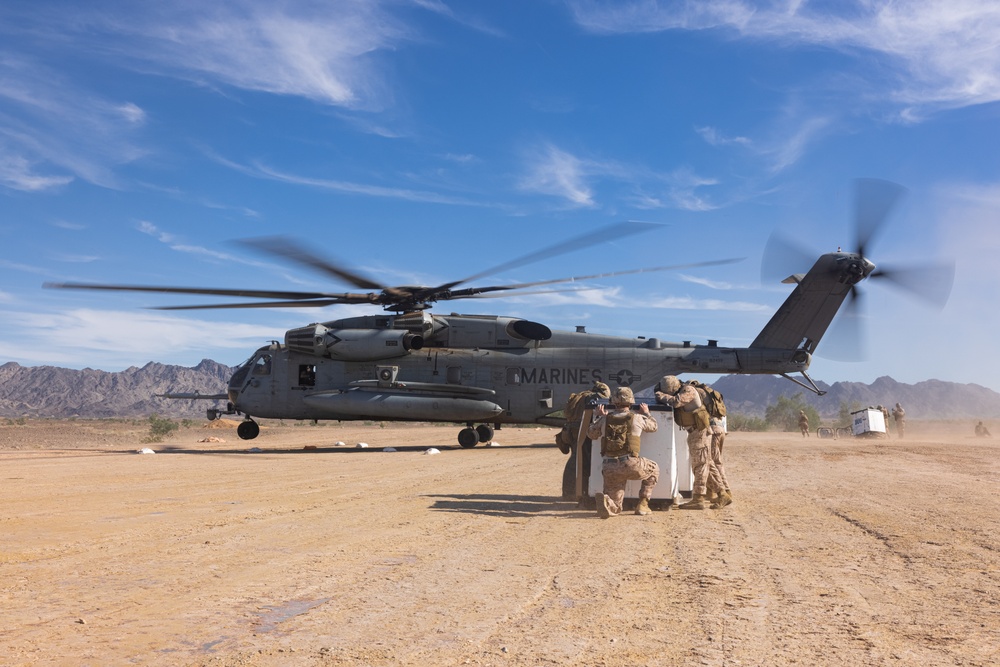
835	552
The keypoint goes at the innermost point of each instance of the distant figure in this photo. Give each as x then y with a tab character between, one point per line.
899	416
982	431
804	423
620	431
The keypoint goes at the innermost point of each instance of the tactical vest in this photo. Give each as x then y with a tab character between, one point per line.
618	439
697	419
710	398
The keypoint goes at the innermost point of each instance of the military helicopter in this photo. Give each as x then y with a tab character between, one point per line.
485	371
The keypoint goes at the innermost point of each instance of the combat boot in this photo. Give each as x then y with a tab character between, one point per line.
642	509
725	498
603	506
697	502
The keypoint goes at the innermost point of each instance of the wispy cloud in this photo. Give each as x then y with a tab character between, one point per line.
713	137
120	338
689	303
316	50
713	284
48	124
942	54
552	171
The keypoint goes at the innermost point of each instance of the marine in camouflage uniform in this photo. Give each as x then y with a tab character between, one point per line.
620	431
804	423
576	405
691	415
717	483
899	415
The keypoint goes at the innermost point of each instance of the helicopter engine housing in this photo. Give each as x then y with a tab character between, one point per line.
352	344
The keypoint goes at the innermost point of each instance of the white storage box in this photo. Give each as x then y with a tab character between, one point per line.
667	446
869	420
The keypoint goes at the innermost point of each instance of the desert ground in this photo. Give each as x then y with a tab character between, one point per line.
835	552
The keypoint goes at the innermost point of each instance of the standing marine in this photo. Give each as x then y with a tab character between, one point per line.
574	411
804	423
718	485
691	415
620	431
899	416
576	405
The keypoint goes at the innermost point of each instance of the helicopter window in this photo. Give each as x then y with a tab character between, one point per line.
307	375
263	365
514	376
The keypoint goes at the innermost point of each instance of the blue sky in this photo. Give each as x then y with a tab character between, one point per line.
421	142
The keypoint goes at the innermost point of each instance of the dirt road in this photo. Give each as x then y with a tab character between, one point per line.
835	552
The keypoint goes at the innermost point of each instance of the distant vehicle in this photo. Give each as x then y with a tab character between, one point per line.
485	371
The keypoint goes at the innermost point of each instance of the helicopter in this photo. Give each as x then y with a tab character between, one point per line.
486	371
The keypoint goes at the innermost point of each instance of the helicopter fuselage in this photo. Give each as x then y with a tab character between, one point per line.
464	368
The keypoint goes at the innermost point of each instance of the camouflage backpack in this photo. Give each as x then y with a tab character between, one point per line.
711	398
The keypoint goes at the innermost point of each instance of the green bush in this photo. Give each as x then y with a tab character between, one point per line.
784	415
743	423
160	427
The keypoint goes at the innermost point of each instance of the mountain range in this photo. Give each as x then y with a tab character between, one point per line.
48	391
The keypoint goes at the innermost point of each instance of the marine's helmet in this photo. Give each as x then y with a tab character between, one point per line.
601	389
670	384
622	397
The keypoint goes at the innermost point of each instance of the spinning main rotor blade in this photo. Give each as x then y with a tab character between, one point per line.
610	232
472	291
287	249
314	303
257	294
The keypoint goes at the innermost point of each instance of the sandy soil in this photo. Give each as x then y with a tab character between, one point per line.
844	552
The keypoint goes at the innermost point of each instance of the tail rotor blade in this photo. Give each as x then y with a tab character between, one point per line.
874	199
930	283
783	257
846	339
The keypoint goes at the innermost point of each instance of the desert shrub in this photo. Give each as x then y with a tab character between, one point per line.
744	423
784	415
160	427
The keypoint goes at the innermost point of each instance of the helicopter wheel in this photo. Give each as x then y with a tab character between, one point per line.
485	433
248	430
468	437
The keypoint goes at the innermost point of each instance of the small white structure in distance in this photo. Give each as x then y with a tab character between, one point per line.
145	450
362	445
432	450
389	449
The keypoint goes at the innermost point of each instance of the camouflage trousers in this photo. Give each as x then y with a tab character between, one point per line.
716	473
618	473
699	451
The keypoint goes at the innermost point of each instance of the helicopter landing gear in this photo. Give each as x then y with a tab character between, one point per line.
468	437
485	433
248	430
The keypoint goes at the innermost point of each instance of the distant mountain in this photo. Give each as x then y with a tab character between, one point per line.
931	399
47	391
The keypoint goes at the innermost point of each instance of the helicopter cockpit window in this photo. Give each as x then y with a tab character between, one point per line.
307	375
263	365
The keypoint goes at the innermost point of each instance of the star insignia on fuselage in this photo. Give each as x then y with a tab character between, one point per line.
625	377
